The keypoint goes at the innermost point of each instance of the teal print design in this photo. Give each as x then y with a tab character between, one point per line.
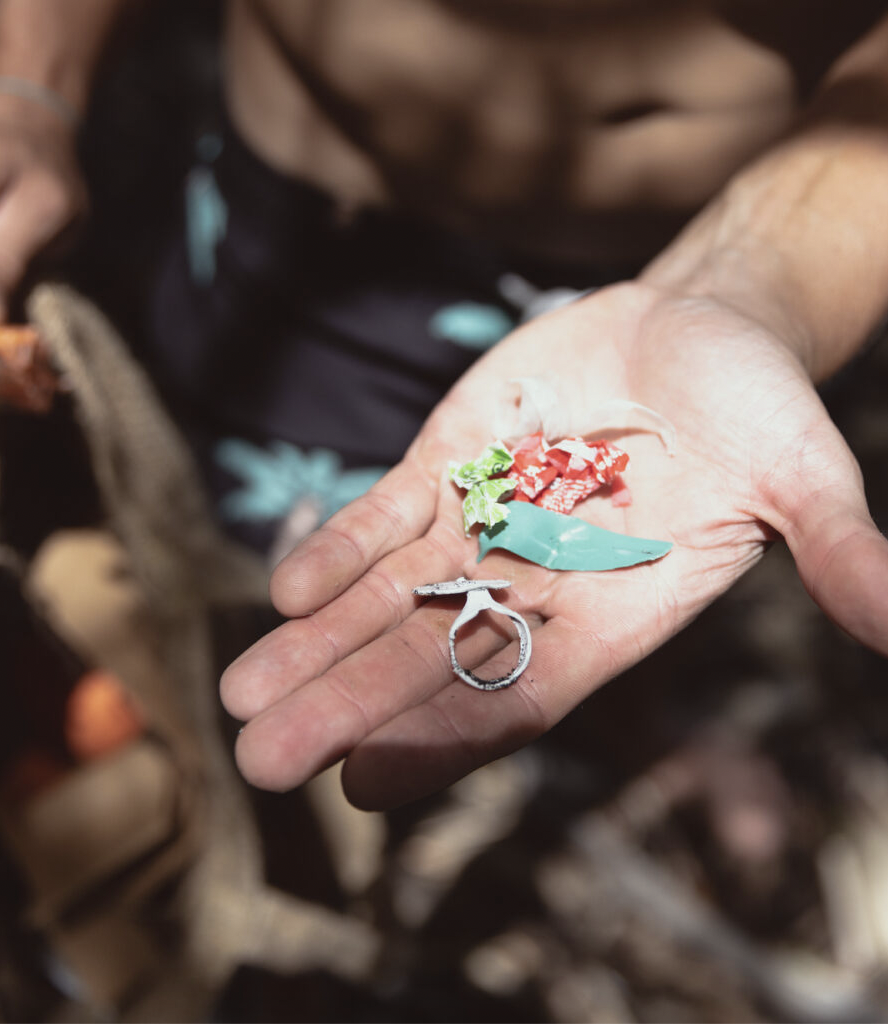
556	541
206	213
472	325
276	478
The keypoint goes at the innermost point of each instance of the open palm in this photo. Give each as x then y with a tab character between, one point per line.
362	669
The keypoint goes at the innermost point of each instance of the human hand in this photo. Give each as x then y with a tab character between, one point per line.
41	188
362	670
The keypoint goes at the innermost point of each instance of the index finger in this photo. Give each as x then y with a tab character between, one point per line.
396	510
321	721
306	647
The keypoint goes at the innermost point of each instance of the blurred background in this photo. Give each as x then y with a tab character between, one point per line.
705	839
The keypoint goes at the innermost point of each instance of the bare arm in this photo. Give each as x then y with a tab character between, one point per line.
49	51
56	43
771	288
797	240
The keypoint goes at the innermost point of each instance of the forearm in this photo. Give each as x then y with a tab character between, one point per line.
56	44
798	239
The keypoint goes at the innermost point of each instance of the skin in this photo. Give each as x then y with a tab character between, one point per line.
583	129
361	671
41	189
769	289
42	194
746	162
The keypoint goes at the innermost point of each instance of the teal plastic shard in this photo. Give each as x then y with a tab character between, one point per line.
556	541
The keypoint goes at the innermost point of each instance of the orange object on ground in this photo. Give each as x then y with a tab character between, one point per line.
100	716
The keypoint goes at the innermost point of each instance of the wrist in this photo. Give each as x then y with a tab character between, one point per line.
35	94
708	264
47	70
767	250
55	46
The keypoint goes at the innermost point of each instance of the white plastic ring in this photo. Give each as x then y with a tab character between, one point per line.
478	599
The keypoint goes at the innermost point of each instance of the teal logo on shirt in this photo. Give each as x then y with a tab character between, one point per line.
276	478
473	325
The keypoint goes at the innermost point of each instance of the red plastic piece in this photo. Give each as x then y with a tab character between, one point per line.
553	478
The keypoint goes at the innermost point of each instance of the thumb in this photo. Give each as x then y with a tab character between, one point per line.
841	556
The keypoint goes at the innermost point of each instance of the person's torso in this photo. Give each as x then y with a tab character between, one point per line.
570	127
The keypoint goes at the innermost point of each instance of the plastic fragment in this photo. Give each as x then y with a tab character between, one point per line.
540	407
624	414
565	493
531	471
606	459
561	475
482	505
557	541
621	496
494	459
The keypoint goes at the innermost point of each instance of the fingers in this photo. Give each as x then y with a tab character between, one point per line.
394	512
321	721
459	729
842	559
819	506
305	648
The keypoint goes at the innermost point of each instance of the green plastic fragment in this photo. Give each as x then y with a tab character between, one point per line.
481	504
494	459
556	541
